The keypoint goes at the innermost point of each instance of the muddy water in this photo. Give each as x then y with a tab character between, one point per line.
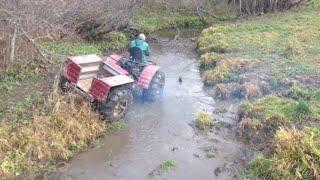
156	132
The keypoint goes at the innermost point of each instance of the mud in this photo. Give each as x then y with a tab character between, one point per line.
156	132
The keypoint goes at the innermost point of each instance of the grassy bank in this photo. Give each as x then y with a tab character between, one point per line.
34	139
40	129
274	63
282	48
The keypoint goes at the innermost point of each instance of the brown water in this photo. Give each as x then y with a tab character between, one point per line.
160	131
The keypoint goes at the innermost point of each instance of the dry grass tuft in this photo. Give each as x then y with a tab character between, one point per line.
209	60
225	91
295	155
250	91
212	39
203	119
294	47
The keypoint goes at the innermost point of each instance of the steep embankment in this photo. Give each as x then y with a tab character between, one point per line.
274	63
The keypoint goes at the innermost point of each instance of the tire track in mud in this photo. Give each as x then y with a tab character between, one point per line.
156	132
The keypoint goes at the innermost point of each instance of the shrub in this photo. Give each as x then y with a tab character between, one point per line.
203	119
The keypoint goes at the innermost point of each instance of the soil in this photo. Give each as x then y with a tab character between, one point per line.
161	131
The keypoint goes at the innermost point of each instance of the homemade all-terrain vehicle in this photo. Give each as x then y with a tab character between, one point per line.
108	83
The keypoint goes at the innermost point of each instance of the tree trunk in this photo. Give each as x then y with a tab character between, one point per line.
12	45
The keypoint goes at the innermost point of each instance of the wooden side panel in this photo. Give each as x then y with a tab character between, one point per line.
72	71
99	89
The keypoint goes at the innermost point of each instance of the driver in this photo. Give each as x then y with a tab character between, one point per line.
139	49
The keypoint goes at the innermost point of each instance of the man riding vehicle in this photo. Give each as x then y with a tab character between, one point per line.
139	49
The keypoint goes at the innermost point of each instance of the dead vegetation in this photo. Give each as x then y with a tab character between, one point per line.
264	6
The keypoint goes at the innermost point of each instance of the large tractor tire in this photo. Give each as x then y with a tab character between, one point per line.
155	90
116	105
64	84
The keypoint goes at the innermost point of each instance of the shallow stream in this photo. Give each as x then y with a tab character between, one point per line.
161	131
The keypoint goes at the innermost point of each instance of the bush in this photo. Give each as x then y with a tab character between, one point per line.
203	119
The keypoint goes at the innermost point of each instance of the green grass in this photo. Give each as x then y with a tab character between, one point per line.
272	33
112	42
22	111
304	93
283	48
73	49
157	19
169	164
115	126
13	80
290	110
163	168
259	121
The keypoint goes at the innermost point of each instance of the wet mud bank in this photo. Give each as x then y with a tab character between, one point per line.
161	131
